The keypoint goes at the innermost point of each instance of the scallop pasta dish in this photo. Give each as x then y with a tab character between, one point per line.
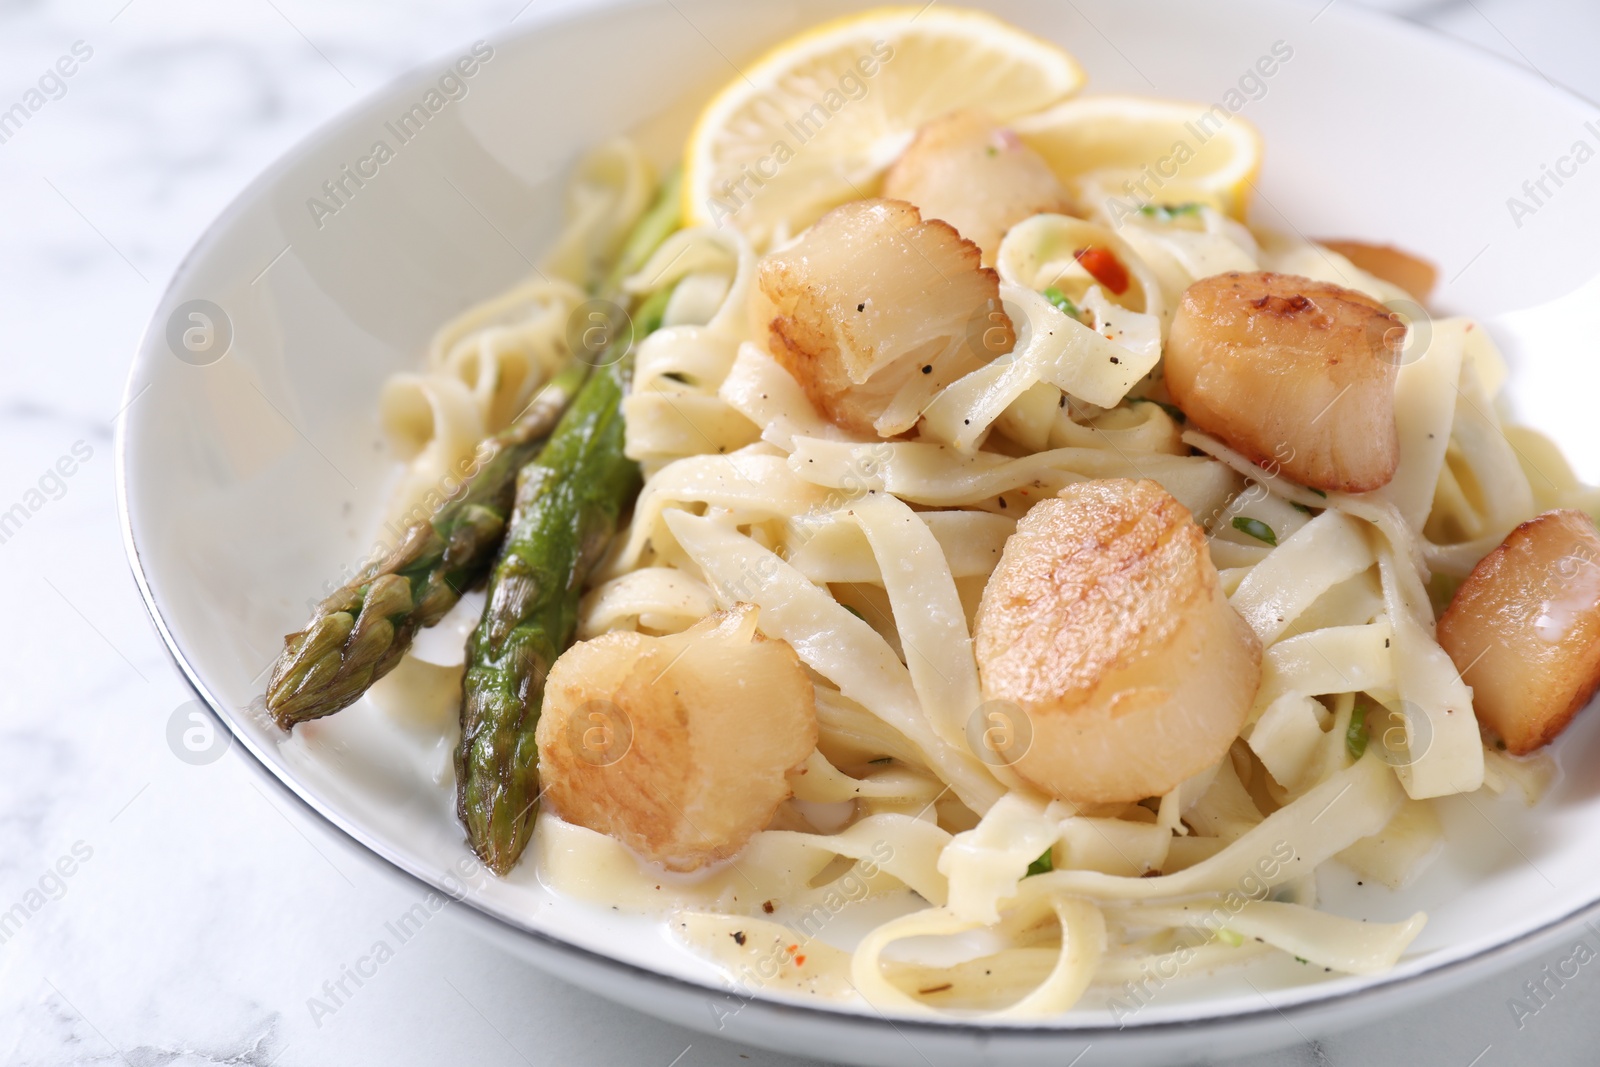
921	543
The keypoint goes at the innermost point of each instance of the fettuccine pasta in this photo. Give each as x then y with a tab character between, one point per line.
967	886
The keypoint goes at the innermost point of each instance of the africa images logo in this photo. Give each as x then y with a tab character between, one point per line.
453	86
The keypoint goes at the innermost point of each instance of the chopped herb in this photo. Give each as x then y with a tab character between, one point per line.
1320	493
677	377
1171	409
1257	529
1043	865
1062	304
1301	508
1229	937
882	760
993	151
1166	213
1301	959
1355	735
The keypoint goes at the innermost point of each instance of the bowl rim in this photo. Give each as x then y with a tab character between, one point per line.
1427	982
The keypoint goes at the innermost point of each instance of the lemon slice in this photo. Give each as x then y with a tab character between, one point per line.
816	121
1136	151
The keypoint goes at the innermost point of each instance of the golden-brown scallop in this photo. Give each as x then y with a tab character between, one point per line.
1298	375
1395	266
1524	629
977	176
1106	624
676	746
874	311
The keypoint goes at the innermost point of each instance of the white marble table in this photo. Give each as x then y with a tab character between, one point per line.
180	913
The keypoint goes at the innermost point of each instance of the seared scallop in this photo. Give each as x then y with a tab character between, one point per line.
977	176
676	746
1298	375
1106	627
1524	629
874	311
1394	265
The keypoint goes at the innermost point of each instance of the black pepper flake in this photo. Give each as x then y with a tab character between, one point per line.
1114	359
966	422
861	307
766	906
928	369
738	938
1002	502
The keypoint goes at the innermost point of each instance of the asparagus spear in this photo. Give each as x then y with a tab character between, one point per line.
359	633
652	229
568	505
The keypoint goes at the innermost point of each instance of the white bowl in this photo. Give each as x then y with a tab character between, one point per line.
250	481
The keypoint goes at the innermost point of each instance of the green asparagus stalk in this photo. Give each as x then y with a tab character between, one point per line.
358	634
653	228
569	502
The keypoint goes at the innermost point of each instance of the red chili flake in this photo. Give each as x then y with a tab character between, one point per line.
1104	267
800	960
792	949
